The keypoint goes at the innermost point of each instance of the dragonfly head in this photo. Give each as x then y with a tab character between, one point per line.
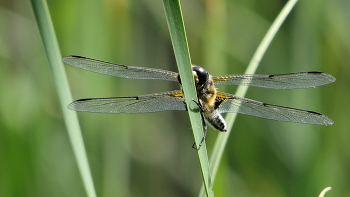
200	77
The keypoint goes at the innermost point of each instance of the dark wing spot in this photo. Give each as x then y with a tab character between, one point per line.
315	72
85	99
314	112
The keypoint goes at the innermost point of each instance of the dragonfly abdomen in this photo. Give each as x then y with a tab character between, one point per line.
216	120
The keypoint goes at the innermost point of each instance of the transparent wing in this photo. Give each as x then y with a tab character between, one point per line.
231	103
279	81
117	70
164	101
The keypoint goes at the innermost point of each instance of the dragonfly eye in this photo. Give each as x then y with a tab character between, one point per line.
201	75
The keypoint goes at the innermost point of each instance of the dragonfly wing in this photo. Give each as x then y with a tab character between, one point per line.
234	104
117	70
165	101
279	81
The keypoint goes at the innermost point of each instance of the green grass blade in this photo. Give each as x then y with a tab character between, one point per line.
62	88
221	141
179	41
324	191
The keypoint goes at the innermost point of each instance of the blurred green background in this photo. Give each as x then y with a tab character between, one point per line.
151	154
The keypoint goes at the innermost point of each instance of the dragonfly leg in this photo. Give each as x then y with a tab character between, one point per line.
185	105
204	125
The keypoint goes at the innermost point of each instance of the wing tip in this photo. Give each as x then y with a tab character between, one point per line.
71	106
328	121
323	120
329	77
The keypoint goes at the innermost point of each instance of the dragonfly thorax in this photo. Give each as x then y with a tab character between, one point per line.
206	90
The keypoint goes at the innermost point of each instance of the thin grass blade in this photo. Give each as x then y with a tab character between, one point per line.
221	141
179	40
53	54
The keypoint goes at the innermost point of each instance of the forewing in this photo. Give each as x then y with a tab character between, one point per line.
233	104
117	70
139	104
279	81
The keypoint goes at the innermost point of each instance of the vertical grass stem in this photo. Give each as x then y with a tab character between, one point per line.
179	41
221	141
53	54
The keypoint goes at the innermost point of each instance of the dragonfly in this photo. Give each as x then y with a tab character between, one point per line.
212	103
